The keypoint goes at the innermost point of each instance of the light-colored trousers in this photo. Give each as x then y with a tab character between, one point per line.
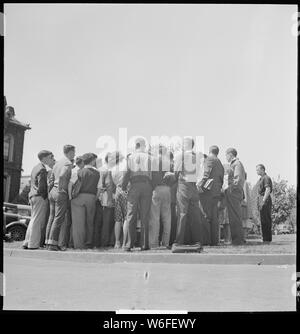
37	222
83	211
160	208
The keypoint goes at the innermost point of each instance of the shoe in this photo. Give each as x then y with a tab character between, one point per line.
25	247
145	248
62	248
53	248
126	249
33	248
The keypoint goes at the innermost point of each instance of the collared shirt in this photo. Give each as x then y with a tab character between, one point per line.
263	183
236	175
187	165
62	171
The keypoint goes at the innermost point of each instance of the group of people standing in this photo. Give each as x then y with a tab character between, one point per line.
167	197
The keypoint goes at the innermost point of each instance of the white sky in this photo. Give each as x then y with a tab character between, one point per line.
225	72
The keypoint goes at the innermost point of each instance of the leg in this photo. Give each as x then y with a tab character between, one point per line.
51	218
130	225
78	222
145	206
214	222
154	219
37	221
183	206
61	204
98	224
90	205
173	223
234	198
266	221
166	216
43	231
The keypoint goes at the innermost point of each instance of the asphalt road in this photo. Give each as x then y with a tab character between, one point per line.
35	284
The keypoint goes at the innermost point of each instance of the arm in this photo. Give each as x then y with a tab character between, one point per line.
42	182
238	174
267	194
208	166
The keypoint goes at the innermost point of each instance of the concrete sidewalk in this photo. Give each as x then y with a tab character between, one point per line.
148	257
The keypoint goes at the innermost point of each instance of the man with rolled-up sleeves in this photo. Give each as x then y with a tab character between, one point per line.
234	196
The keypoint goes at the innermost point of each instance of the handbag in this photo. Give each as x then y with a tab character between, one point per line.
208	184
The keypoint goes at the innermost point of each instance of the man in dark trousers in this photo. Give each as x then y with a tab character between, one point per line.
265	188
38	197
186	172
139	194
214	170
234	196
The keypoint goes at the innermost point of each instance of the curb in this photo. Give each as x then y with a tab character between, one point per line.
142	257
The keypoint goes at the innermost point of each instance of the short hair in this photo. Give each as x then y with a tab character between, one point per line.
88	158
68	148
214	149
140	142
43	154
78	160
261	166
231	150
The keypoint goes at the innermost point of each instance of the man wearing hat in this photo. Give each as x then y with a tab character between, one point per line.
139	194
84	204
38	197
234	196
58	197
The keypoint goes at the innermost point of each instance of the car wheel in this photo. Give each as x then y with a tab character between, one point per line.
17	233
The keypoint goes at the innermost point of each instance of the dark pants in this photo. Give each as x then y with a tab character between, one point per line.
266	220
210	207
234	197
188	203
44	228
65	237
107	227
98	224
173	223
139	196
58	208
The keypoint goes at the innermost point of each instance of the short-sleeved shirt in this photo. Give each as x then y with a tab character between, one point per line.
264	182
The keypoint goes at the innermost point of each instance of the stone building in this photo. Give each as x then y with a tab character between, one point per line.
14	132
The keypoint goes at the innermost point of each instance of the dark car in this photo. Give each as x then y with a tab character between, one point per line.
16	219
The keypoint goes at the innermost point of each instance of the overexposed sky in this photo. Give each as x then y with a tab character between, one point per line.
225	72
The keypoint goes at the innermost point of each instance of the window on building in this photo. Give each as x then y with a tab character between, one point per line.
8	147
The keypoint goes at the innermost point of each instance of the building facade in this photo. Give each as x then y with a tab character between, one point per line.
14	132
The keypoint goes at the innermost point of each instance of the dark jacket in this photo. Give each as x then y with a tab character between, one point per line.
38	184
213	169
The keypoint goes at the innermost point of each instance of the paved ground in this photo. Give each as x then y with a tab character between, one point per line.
35	284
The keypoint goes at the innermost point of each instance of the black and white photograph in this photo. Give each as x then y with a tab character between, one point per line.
150	159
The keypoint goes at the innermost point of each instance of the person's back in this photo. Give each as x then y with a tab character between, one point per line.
38	184
89	178
139	164
62	171
216	173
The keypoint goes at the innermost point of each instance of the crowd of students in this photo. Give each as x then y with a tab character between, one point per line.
147	199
